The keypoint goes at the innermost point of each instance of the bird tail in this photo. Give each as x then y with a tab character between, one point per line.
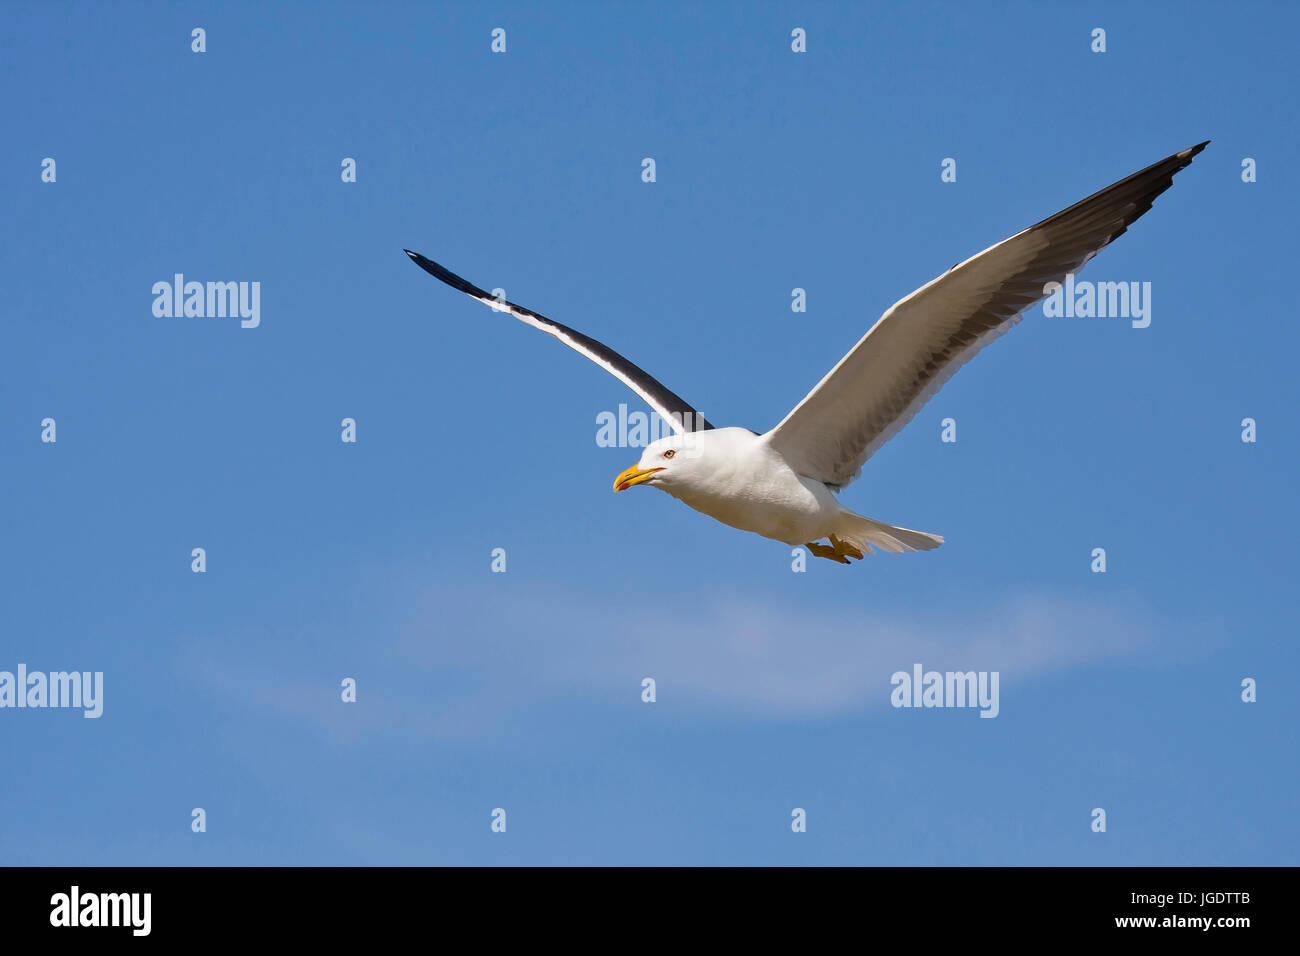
863	532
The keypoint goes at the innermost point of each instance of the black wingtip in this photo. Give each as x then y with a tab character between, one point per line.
446	275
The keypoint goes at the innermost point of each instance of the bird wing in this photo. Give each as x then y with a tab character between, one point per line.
677	413
925	337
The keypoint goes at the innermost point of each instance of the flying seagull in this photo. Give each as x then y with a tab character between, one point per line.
781	484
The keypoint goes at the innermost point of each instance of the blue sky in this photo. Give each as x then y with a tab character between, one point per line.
522	690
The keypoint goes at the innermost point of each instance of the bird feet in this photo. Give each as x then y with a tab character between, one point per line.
837	550
826	551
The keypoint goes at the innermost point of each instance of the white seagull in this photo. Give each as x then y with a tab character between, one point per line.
781	484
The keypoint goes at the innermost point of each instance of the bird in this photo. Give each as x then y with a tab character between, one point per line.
782	483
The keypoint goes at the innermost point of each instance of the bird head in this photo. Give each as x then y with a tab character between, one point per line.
666	462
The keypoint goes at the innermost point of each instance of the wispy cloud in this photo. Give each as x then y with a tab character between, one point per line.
755	655
462	676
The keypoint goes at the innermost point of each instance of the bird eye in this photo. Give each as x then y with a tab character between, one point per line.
669	453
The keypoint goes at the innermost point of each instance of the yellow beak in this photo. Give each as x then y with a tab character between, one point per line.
633	476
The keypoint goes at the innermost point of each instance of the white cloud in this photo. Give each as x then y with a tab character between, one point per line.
469	675
751	655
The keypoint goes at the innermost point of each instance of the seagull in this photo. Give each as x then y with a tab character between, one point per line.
782	484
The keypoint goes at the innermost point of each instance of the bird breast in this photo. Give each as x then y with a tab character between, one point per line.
748	486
